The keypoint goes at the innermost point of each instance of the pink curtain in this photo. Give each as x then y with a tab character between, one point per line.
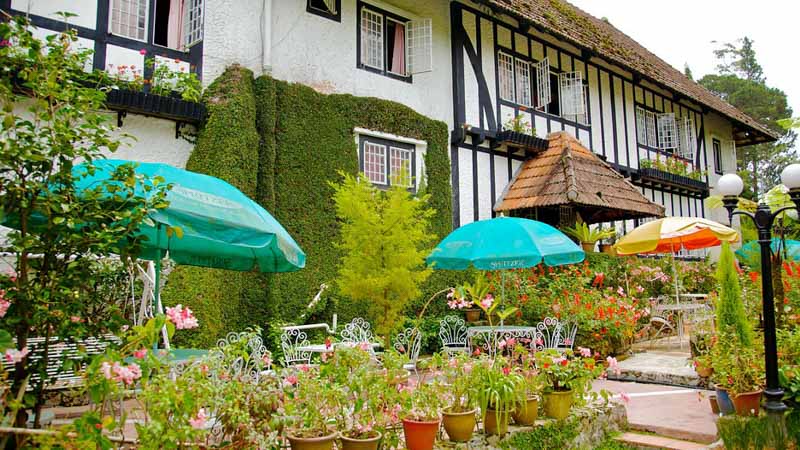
175	25
399	53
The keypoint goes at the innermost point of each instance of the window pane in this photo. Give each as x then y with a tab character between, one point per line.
193	22
505	69
641	126
371	39
129	18
523	83
396	47
375	162
401	166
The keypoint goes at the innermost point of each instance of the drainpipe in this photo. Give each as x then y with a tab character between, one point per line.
266	37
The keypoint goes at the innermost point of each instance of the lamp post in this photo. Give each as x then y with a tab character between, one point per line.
731	186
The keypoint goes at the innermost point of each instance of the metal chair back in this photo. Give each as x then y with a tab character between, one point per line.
409	343
453	333
292	340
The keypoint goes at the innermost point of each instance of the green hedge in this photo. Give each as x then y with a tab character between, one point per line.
282	144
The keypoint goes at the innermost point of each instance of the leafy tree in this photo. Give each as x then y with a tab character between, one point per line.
50	118
741	82
688	71
731	316
384	240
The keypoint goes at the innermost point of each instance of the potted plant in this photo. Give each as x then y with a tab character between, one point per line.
458	417
747	376
702	365
310	407
500	391
566	376
722	360
607	245
365	396
587	236
394	364
421	415
478	294
464	296
527	413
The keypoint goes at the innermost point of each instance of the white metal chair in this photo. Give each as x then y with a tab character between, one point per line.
253	359
547	335
566	334
358	331
292	340
453	333
409	343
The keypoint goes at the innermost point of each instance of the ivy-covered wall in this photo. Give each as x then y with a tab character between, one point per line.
282	144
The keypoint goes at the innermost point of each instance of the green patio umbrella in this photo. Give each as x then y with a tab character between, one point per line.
750	253
504	243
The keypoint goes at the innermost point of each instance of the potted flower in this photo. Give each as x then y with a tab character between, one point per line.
468	297
310	408
421	415
722	361
500	391
566	375
394	364
527	413
607	244
747	376
587	236
359	422
458	417
702	365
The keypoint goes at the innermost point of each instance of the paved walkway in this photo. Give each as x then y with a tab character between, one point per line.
675	412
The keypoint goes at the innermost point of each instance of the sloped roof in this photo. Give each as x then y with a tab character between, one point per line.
597	36
569	174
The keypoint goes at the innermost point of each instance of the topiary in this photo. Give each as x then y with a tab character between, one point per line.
731	316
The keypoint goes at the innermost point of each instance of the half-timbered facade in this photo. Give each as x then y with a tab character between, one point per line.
474	64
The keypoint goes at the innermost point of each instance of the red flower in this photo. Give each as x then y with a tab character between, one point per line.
753	276
564	362
506	370
787	268
546	365
142	52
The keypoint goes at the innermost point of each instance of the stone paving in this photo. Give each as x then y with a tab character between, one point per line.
667	368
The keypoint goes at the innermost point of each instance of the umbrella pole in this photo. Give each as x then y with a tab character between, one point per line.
502	291
157	295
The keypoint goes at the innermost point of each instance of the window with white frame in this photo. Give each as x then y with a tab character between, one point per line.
646	127
330	9
543	92
572	95
667	131
686	138
192	22
523	73
387	162
392	45
716	146
129	18
505	68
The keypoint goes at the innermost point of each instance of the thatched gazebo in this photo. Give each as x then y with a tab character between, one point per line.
567	180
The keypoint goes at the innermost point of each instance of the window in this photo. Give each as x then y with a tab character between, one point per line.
646	127
542	70
392	45
717	148
686	138
330	9
386	162
573	96
129	18
192	22
523	83
667	131
505	67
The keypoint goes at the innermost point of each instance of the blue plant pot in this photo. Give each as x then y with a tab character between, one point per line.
725	403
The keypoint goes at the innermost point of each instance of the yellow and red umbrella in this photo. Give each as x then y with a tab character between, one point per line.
671	234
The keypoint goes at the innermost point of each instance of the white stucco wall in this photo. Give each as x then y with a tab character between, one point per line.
154	141
232	35
321	53
86	10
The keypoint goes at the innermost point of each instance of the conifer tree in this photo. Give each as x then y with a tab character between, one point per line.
731	316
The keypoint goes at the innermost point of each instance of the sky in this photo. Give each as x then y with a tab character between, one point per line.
682	31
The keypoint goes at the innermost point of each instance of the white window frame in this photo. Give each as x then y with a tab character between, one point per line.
505	76
384	151
331	5
409	181
572	96
729	147
417	147
646	127
378	62
667	131
193	27
419	46
686	138
543	94
111	8
522	73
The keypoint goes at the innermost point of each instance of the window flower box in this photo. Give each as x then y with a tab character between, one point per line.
673	180
137	102
517	139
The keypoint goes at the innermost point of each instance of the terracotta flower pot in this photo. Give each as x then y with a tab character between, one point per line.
459	426
527	413
360	444
724	401
472	315
703	371
314	443
712	399
608	249
588	247
420	435
557	404
496	422
747	403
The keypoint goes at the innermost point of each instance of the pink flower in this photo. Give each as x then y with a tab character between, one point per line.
625	397
75	319
142	52
119	373
613	365
182	318
539	341
567	341
199	420
4	304
487	301
585	352
266	360
140	354
5	43
14	356
304	368
292	379
323	356
511	342
502	344
328	343
365	346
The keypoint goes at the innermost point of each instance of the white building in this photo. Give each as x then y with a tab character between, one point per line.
472	64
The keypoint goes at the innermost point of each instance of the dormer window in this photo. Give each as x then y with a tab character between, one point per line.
393	45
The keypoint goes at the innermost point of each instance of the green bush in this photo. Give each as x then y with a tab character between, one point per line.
281	143
731	316
745	433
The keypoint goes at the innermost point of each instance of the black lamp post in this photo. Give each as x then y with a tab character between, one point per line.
731	186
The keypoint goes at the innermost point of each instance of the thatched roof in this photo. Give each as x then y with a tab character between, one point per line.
569	174
598	37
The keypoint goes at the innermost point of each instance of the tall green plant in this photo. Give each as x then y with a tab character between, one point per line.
731	316
384	240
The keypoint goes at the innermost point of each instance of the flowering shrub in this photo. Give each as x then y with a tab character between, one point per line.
673	164
564	371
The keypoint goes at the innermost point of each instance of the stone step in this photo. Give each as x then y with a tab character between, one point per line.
659	368
650	441
673	432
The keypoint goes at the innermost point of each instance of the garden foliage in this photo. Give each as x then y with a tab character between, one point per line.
730	312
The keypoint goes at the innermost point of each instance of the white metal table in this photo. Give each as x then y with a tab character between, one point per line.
680	309
322	348
493	336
